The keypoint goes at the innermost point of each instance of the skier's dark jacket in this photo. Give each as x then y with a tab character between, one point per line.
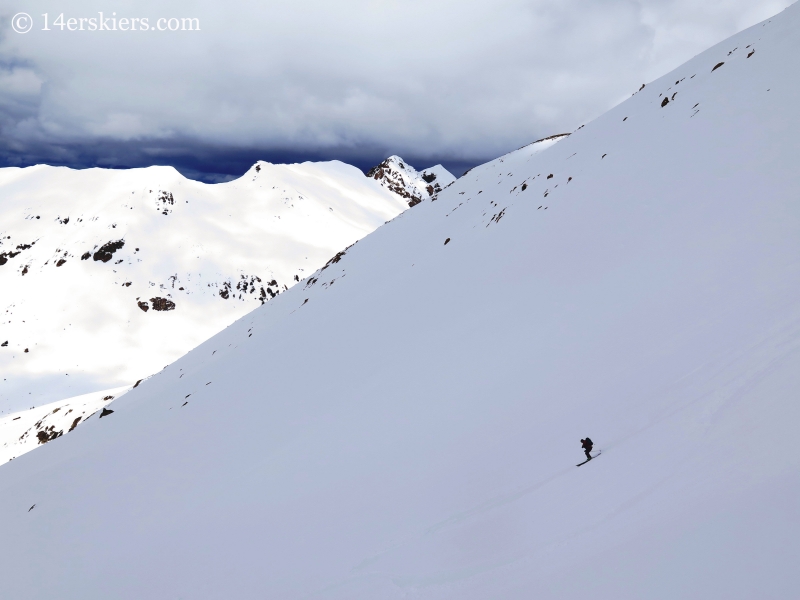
587	444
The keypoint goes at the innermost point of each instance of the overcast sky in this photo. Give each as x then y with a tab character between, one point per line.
457	82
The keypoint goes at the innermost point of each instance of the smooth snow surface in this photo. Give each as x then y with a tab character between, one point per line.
406	423
108	275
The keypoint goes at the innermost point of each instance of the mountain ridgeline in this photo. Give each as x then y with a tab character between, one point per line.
108	275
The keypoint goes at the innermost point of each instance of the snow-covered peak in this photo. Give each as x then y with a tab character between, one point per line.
108	275
404	180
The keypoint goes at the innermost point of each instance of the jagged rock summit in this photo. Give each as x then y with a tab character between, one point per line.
405	181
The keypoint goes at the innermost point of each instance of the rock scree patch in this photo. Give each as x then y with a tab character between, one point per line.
107	250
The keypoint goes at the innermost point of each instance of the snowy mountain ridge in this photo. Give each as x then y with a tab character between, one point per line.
406	422
108	275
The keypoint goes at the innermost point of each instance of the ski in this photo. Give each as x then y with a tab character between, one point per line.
588	459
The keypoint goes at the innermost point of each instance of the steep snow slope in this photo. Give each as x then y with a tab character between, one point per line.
407	423
404	180
108	275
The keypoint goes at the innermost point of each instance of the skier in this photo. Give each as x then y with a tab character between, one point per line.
587	448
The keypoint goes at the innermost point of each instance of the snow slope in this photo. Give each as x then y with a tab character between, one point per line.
407	424
108	275
404	180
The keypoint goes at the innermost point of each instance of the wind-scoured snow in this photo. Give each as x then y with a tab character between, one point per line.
108	275
406	422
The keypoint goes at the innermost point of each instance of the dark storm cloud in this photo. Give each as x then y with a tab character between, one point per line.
452	82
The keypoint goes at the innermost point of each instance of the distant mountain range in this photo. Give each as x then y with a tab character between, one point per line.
108	275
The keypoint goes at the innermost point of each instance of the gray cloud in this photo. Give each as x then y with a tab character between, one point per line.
463	81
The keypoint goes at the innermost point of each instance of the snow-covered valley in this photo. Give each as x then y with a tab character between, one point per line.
405	422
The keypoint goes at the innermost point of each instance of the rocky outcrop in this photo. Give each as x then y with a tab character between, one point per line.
413	186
